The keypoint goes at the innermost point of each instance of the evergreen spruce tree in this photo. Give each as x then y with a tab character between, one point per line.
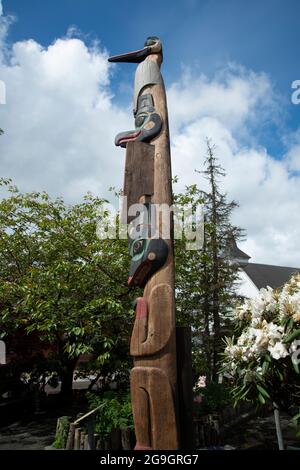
206	279
220	272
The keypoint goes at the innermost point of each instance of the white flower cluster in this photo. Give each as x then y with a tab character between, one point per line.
254	309
265	319
289	300
254	342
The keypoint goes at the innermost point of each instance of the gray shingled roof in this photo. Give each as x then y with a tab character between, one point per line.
263	275
233	251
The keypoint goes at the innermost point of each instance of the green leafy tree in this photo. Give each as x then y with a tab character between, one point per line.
62	285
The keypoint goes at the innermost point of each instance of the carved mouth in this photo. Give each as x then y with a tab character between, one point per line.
140	274
127	138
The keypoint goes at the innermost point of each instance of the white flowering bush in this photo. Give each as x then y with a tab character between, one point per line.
263	358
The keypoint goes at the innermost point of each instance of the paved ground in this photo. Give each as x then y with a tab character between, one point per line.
38	431
260	434
29	435
35	431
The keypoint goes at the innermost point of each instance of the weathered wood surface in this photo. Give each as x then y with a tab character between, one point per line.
82	440
154	376
77	438
71	437
148	181
139	174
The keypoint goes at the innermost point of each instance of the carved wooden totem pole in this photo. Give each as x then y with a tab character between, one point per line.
148	182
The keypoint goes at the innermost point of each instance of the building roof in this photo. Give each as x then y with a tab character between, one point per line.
236	253
233	251
263	275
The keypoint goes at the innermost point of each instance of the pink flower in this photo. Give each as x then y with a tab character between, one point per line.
198	399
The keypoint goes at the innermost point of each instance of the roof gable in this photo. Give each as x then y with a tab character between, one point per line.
263	275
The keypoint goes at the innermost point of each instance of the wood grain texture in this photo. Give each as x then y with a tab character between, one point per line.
155	420
151	333
139	174
153	342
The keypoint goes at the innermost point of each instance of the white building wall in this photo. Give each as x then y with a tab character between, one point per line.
246	287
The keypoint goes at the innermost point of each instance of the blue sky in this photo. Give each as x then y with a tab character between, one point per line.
228	67
262	35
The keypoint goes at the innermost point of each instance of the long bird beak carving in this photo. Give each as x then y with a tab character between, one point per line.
152	46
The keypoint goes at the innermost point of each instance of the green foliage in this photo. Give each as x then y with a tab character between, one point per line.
63	291
215	397
114	413
60	285
62	431
205	279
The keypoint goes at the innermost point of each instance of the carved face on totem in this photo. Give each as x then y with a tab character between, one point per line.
148	123
147	254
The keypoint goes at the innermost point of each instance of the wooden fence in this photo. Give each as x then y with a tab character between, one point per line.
207	430
81	435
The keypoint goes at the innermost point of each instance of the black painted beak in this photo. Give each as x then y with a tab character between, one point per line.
134	57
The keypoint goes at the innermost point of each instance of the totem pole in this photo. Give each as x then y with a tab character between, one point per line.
148	182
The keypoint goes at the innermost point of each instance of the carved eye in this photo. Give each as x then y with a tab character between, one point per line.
151	40
137	247
140	119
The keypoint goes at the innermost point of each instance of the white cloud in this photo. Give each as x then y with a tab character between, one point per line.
292	157
60	122
233	97
268	194
59	119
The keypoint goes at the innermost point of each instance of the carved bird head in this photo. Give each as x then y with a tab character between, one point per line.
152	46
